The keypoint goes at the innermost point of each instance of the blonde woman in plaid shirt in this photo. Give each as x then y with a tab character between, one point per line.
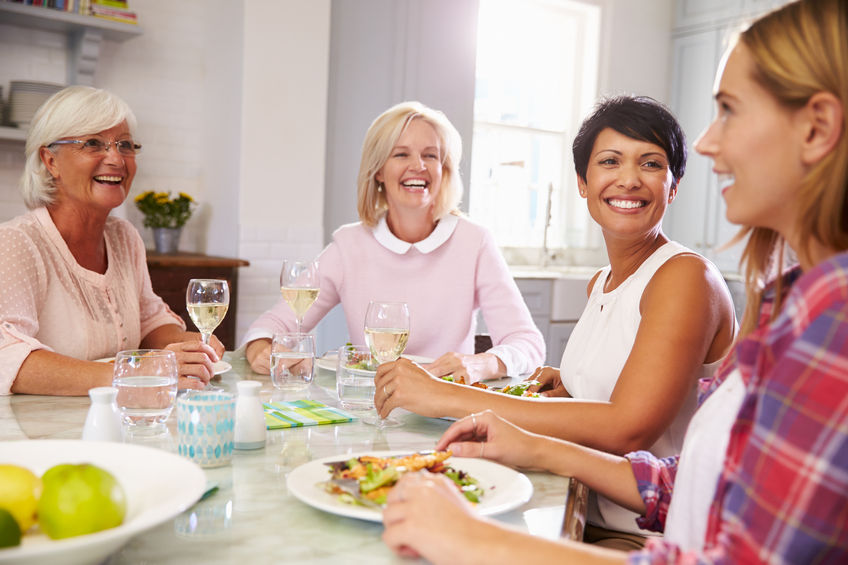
763	475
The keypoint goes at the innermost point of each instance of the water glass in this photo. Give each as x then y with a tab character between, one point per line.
292	361
206	427
355	373
146	380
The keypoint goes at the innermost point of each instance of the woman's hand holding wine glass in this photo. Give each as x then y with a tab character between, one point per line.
386	334
299	285
207	301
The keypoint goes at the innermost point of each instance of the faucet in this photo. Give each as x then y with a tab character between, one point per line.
546	254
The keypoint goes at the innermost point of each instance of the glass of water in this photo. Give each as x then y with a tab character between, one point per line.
292	361
146	380
355	373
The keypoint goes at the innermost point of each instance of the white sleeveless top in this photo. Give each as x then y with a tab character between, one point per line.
701	462
596	353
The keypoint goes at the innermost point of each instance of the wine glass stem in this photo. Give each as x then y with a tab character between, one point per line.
205	337
299	321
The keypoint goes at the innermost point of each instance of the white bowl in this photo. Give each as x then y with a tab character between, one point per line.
158	484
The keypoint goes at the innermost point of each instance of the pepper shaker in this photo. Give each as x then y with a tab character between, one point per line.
103	422
250	417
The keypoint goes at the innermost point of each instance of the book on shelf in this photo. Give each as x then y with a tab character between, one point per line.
115	14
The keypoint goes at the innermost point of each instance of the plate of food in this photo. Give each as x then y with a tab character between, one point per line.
217	368
515	389
151	498
330	359
335	484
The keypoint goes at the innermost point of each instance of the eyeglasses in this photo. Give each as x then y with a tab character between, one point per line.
94	146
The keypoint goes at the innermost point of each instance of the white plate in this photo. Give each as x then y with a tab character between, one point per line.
221	367
331	359
505	488
152	498
217	368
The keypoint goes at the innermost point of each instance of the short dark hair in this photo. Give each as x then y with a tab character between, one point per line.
637	117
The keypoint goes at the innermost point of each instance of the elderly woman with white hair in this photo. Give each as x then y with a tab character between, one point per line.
412	245
75	281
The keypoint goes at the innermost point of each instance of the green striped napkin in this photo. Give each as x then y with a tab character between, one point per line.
299	413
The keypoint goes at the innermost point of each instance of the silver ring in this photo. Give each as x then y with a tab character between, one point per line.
474	423
482	447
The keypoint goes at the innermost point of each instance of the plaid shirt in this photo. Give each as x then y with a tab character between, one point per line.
782	496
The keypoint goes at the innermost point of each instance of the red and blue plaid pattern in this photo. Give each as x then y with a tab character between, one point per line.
782	496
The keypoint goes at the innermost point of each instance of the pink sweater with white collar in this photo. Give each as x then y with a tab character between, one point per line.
445	279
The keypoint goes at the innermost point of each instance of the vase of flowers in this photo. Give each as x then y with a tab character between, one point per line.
166	216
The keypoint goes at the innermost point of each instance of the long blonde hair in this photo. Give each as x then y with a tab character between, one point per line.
799	50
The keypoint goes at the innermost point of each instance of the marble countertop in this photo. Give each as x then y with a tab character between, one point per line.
252	517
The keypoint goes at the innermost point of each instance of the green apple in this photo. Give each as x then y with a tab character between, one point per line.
19	491
79	499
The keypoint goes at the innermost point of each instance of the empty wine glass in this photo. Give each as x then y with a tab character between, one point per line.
207	301
386	333
299	285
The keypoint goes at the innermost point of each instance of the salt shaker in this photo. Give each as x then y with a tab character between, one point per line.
103	422
250	417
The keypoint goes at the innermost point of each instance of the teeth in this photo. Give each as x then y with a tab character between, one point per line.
626	204
417	183
107	178
725	180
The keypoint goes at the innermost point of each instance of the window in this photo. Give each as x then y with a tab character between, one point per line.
537	64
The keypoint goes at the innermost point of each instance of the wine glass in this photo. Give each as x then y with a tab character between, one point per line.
386	334
299	284
207	301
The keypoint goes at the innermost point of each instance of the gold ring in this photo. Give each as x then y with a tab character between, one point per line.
474	423
386	392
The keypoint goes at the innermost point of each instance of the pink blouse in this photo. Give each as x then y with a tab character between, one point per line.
50	302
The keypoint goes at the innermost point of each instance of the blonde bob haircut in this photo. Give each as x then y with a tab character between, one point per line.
798	51
72	112
379	142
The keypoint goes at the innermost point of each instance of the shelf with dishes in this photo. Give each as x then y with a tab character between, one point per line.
54	20
85	35
12	134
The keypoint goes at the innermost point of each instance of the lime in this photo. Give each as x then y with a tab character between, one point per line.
10	532
79	499
19	492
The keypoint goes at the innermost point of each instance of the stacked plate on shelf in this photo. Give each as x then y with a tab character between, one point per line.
25	97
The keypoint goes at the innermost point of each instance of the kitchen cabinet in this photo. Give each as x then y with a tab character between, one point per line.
702	32
555	301
170	274
85	35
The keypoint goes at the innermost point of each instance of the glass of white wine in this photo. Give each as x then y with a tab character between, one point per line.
207	301
299	285
386	334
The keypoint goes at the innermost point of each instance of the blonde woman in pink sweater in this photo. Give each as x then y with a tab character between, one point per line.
412	245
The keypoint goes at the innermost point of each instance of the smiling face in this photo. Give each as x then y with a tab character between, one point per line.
754	143
628	185
91	182
412	175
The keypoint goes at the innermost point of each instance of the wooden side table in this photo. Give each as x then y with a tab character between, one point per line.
170	274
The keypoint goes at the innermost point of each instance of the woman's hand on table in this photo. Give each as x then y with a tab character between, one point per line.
404	384
425	515
258	354
485	434
472	368
550	383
